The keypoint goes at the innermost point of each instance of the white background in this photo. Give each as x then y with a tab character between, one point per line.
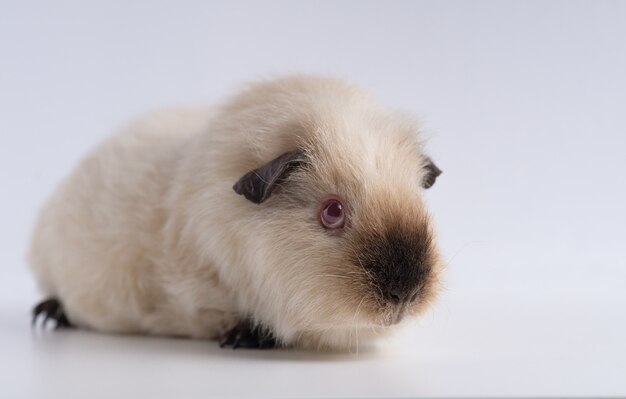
524	108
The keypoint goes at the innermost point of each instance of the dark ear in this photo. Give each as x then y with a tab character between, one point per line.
432	171
258	184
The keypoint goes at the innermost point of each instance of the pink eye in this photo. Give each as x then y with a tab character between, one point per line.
332	214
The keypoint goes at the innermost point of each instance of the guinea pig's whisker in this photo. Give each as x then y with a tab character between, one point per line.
370	276
356	327
448	263
367	272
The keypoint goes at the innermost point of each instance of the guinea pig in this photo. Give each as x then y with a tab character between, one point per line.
292	216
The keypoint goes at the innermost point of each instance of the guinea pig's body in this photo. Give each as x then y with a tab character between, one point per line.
148	236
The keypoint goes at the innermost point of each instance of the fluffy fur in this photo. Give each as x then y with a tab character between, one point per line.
148	236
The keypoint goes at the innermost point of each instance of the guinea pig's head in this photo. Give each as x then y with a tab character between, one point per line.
351	241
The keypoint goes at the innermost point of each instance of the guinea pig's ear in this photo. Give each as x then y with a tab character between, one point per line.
258	184
432	171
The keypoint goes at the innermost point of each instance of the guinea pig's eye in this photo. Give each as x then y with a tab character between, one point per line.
332	214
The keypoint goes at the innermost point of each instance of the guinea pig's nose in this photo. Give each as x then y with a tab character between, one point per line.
394	296
398	295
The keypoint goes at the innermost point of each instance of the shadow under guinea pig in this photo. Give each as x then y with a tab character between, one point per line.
70	342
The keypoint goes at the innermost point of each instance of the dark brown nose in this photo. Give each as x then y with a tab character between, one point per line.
395	296
400	262
398	295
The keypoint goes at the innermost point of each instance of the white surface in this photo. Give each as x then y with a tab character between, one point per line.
523	104
559	347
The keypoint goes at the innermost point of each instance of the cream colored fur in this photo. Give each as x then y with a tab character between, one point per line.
148	236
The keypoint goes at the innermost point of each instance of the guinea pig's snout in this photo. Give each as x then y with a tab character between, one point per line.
403	288
400	264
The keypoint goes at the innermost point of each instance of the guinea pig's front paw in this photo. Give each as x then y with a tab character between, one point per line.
247	335
51	309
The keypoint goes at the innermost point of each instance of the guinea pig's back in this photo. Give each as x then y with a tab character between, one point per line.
96	239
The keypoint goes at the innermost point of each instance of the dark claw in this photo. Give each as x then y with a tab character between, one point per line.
246	335
51	309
